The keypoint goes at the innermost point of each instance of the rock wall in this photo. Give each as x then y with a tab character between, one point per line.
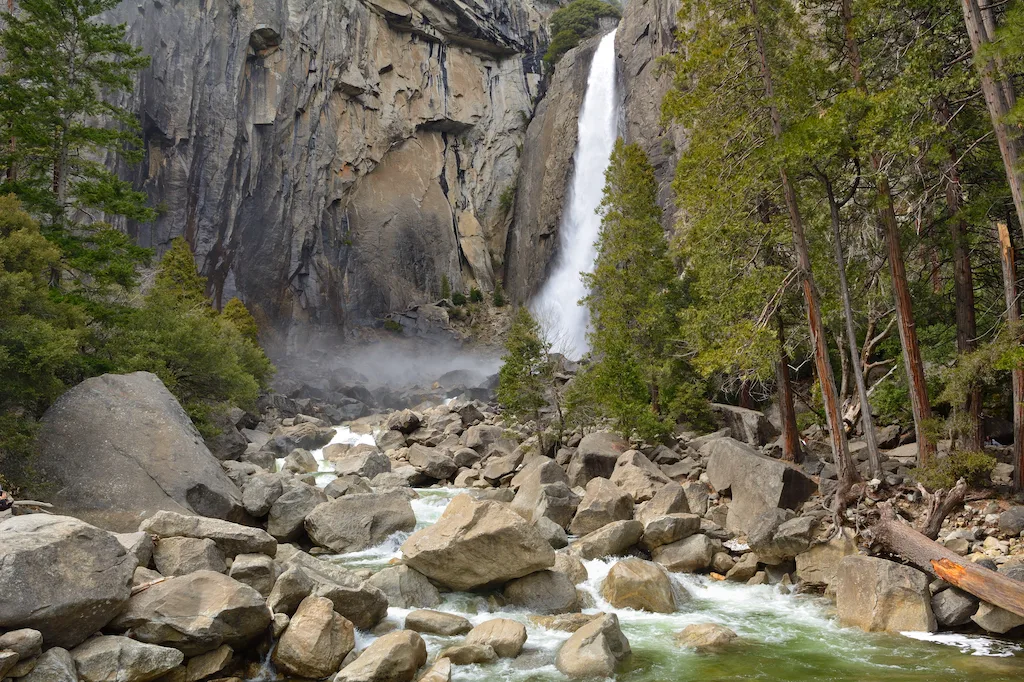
647	33
545	174
331	161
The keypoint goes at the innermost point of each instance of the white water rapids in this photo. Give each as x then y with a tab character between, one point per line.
557	305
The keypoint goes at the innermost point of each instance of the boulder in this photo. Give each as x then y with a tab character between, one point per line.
469	654
641	585
120	659
501	467
195	613
744	569
437	623
436	463
879	595
543	592
394	657
540	470
664	530
705	637
353	598
1011	521
315	642
8	659
304	436
669	499
698	496
554	501
259	492
363	460
817	566
178	556
230	538
441	671
996	620
613	539
205	666
692	555
355	522
399	477
289	512
119	448
552	532
748	426
25	642
778	535
505	636
292	586
349	484
389	439
475	544
61	576
403	421
479	437
602	503
139	545
758	483
953	607
258	571
405	588
53	665
565	622
300	461
594	650
595	457
638	476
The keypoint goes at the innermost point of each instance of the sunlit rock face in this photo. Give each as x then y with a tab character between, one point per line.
331	161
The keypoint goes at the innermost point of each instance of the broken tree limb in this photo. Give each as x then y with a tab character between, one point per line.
940	505
900	538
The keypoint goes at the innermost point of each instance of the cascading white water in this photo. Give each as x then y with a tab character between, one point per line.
557	304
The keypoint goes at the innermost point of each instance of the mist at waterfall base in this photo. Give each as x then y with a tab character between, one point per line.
557	305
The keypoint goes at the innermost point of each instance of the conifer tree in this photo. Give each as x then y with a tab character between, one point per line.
526	372
63	71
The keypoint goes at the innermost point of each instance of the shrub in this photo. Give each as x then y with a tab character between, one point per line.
458	298
507	198
975	467
446	287
574	22
393	326
475	295
498	297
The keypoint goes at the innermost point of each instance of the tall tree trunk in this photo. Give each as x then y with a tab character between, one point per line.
1013	319
963	292
999	98
851	334
847	474
912	361
746	401
791	450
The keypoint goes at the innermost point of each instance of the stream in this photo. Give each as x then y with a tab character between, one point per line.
782	637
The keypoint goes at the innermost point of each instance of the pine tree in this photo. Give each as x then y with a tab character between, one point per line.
63	71
238	315
635	297
526	372
178	276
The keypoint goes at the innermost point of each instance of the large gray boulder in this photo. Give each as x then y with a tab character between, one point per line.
315	642
53	665
195	613
613	539
437	463
749	426
778	535
504	635
594	650
405	587
61	576
355	522
180	556
358	600
477	543
537	499
595	457
757	483
880	595
117	659
818	565
638	476
395	657
119	448
692	555
289	511
545	592
641	585
363	460
230	538
602	503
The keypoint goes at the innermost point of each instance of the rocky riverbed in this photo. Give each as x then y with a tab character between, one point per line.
438	543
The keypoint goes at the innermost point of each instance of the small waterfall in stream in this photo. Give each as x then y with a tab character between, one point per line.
557	304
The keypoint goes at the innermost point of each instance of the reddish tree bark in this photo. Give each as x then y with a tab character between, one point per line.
1013	318
791	450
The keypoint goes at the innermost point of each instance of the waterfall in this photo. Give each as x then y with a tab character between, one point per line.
557	304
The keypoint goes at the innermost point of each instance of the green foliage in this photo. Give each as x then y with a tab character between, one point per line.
238	315
575	22
507	199
635	297
526	370
475	295
498	296
393	326
458	299
40	335
975	467
63	72
206	360
446	287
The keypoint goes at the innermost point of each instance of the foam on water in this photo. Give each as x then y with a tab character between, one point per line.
975	645
344	436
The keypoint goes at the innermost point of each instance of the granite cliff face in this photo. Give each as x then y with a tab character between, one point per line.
331	161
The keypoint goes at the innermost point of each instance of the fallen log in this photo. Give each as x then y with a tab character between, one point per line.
902	539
